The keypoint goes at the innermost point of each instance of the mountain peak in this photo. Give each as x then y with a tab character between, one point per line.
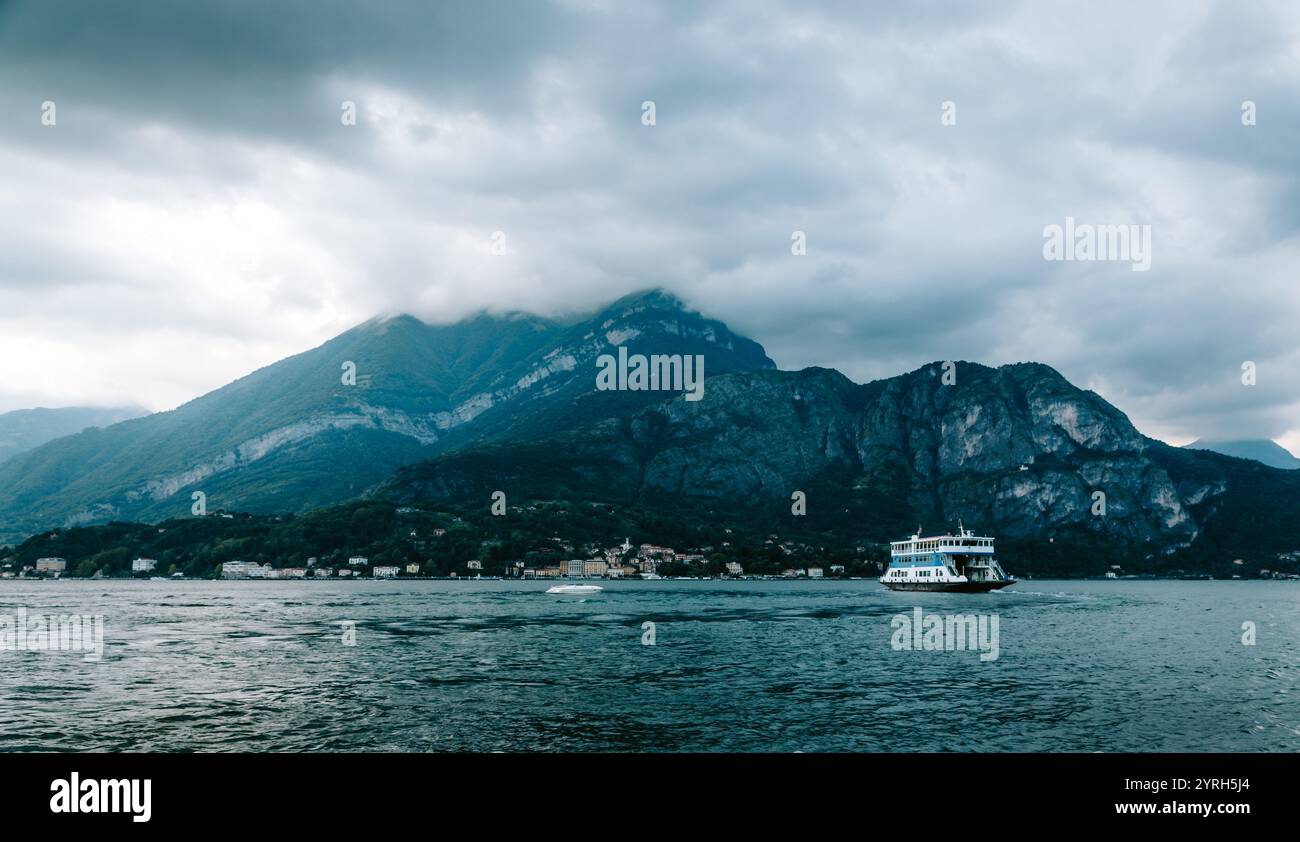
653	298
1265	451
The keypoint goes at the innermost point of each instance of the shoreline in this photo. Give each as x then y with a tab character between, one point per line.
787	579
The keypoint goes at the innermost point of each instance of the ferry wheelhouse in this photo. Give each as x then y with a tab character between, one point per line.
963	562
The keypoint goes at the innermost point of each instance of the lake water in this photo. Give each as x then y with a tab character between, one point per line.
735	666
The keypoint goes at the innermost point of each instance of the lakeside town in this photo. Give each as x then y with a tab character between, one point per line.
624	561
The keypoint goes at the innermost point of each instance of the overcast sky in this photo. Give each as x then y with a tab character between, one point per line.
198	209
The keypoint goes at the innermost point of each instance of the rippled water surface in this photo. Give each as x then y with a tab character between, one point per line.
736	666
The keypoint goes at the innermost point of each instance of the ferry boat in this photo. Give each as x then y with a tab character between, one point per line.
963	563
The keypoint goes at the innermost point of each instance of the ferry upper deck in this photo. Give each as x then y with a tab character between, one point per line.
964	544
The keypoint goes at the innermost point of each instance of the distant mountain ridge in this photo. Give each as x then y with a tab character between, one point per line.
24	429
1265	451
293	435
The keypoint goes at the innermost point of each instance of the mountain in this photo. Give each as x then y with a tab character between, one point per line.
293	435
24	429
1016	451
1265	451
447	415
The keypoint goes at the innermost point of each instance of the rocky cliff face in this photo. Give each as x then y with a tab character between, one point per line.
1016	450
1023	450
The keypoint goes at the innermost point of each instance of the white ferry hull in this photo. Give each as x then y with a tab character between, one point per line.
950	587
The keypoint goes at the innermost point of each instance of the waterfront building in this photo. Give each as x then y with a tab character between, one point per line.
244	570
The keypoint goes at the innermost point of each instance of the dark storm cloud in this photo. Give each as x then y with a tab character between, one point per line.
199	165
204	58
